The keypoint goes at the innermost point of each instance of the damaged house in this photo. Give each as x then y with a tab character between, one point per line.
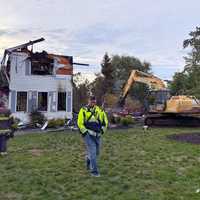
38	81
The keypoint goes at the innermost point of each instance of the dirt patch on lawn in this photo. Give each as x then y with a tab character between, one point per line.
36	152
10	196
193	138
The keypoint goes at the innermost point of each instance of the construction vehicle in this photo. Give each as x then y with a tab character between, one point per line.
166	109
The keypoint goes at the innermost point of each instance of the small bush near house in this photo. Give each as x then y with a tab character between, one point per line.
53	123
60	122
125	121
130	119
36	117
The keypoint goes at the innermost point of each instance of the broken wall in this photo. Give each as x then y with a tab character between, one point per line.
41	89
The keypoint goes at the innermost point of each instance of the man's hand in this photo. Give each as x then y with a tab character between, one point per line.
85	133
103	130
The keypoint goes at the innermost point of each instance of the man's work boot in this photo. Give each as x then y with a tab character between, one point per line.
95	174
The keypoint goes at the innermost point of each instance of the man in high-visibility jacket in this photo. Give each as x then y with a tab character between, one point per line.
6	131
92	123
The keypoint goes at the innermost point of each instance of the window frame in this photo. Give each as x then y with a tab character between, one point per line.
16	107
65	101
38	101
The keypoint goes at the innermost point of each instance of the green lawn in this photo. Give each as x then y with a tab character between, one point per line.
133	165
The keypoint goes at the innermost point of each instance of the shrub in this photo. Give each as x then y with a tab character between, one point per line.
125	121
53	123
130	119
37	117
60	122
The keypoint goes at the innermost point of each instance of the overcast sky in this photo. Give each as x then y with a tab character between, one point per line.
151	30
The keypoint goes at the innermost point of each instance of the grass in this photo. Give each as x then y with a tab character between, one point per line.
133	164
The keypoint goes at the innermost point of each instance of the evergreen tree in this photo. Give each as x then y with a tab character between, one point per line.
107	71
80	91
96	88
123	66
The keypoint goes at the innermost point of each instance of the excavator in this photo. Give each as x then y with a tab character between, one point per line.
166	110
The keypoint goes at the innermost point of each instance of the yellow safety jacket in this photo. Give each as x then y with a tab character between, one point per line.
5	125
94	119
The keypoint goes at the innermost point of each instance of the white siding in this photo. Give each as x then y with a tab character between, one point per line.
45	83
40	83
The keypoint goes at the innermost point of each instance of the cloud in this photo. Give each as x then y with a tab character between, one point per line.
150	30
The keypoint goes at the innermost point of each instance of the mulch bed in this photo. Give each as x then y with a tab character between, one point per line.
193	138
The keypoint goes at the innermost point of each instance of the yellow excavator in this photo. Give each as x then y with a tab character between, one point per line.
166	109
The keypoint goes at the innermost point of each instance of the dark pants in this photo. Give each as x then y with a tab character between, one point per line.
3	143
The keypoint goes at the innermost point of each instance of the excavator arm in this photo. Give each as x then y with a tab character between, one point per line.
137	76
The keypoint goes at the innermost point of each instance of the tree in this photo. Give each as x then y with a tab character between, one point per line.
115	73
123	66
187	82
107	71
193	42
97	88
80	91
178	85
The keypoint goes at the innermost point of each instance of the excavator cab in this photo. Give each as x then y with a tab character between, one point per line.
157	100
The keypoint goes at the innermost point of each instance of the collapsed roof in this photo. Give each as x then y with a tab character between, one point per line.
42	63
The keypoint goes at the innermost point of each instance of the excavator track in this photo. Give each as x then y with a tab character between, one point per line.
172	120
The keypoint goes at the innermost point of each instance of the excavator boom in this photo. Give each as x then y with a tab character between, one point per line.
137	76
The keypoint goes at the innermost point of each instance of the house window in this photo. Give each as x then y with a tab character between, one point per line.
21	101
42	101
61	101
